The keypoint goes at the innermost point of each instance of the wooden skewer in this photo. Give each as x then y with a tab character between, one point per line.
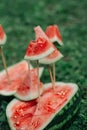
28	65
29	69
51	77
54	74
38	81
4	63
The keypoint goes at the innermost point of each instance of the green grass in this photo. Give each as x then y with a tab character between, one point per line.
19	17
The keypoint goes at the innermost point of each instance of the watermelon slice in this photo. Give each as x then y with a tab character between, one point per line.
17	73
28	89
54	35
2	36
38	49
55	56
52	112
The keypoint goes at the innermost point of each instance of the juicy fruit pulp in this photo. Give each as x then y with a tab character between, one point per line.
20	113
33	116
38	49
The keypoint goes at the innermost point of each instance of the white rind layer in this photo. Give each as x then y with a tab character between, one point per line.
29	96
50	60
3	41
56	39
40	56
9	113
7	92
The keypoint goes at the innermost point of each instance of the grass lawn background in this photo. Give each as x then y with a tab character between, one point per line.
19	17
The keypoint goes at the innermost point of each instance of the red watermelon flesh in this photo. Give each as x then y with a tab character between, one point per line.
55	56
50	103
53	33
38	49
2	36
40	33
28	89
20	113
33	116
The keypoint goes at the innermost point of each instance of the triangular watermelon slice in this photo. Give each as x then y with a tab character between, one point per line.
28	89
2	36
54	35
38	49
17	73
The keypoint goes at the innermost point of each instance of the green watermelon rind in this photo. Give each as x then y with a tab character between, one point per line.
62	116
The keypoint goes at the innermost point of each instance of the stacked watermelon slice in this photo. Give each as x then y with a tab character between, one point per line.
46	108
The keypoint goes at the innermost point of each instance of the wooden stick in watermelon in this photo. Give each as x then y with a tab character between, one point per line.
40	33
54	35
51	76
28	61
51	59
54	74
37	62
2	42
36	50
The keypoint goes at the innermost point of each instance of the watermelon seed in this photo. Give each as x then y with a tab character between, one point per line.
15	117
17	123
